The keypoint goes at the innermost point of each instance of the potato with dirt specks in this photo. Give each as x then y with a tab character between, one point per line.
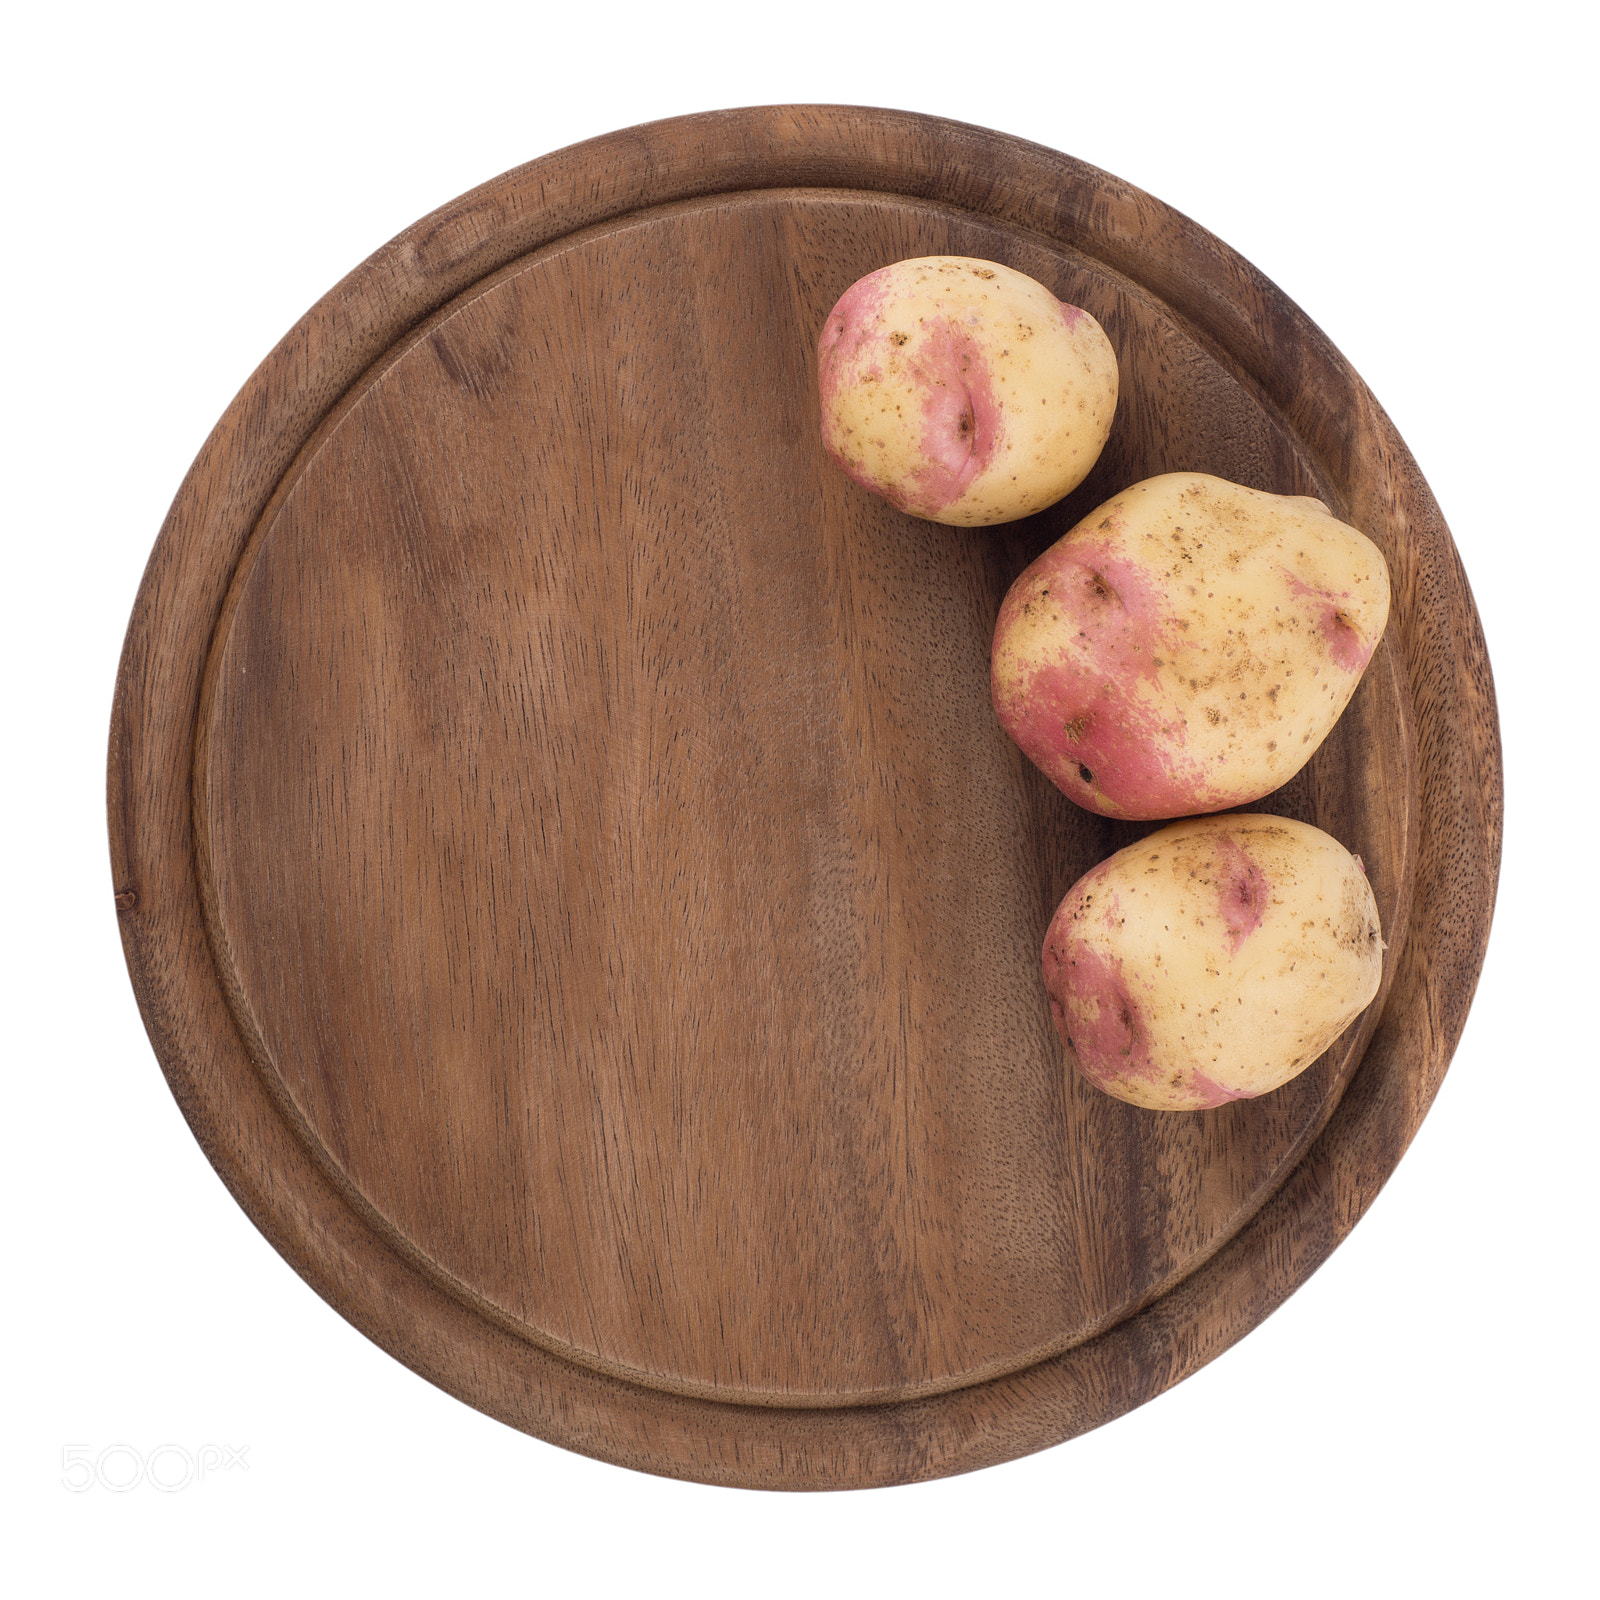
1188	646
1212	961
963	391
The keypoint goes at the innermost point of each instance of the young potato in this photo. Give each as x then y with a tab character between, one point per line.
962	391
1188	646
1212	961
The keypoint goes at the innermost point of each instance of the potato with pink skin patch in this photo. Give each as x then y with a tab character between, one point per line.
1213	961
1188	646
962	391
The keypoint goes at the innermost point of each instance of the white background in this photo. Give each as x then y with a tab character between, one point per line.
183	183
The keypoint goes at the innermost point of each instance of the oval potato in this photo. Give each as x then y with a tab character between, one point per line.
1212	961
962	391
1188	646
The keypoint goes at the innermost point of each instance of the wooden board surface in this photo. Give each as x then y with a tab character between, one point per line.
574	880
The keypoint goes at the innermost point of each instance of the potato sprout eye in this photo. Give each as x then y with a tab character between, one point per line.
1085	773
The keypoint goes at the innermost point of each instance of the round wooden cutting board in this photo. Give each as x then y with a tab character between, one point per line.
576	885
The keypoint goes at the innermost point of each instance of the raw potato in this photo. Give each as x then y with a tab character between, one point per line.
1188	646
1212	961
962	391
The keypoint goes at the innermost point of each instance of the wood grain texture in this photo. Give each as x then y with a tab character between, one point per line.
579	894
